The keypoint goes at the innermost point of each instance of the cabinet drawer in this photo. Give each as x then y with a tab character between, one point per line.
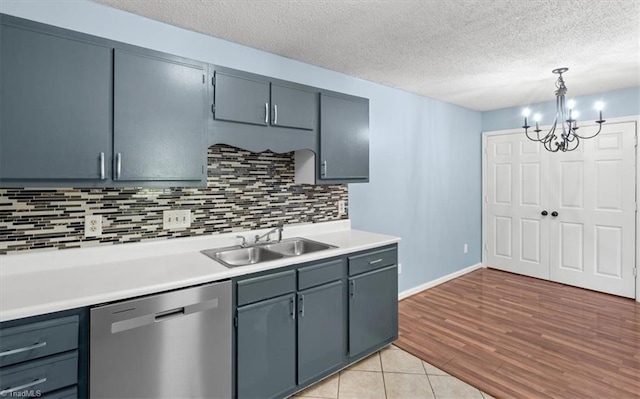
35	340
67	393
265	287
39	376
372	260
326	272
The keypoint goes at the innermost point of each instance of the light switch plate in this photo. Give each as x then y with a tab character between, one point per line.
93	225
341	208
178	219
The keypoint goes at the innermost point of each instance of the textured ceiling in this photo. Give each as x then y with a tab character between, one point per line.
480	54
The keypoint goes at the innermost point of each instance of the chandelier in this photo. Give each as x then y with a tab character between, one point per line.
563	135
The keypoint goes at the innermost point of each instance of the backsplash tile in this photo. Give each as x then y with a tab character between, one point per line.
244	191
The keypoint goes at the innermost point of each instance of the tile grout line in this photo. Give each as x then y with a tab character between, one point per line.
429	379
384	384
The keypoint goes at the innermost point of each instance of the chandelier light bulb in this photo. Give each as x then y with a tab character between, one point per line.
571	104
526	112
537	117
599	106
575	115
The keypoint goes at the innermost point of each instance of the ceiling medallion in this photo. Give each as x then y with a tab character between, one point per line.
566	139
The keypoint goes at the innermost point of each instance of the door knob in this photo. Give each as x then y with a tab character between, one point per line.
545	213
554	213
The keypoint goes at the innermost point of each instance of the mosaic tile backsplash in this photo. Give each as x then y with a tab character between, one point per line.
244	191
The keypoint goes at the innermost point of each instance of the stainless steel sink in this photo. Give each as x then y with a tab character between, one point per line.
238	256
297	246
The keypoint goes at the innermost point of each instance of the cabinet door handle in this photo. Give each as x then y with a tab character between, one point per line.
352	283
102	175
554	213
275	114
292	303
118	165
324	168
266	113
373	262
24	349
301	304
544	213
7	391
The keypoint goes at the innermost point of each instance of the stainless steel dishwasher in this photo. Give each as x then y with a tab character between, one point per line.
171	345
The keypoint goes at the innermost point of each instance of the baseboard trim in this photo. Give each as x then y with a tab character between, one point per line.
438	281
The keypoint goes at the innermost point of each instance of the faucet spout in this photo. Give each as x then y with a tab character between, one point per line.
278	229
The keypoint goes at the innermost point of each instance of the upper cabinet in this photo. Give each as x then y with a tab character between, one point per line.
55	102
158	118
344	138
293	107
241	99
258	113
81	111
342	155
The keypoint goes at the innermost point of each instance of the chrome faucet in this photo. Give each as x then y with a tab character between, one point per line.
268	234
244	242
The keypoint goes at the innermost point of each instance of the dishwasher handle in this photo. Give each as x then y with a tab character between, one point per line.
169	314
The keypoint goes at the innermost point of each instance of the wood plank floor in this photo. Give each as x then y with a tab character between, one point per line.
519	337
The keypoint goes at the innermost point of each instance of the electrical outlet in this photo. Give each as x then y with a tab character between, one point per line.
93	225
341	208
399	268
465	249
179	219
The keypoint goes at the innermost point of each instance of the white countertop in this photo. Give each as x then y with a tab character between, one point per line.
43	282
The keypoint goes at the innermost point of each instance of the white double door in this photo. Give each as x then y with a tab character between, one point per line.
567	217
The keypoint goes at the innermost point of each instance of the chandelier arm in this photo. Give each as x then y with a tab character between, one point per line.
577	140
589	137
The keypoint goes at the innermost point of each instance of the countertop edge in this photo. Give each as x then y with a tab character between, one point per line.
117	295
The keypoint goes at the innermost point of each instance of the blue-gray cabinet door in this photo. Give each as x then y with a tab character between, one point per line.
241	99
373	310
266	348
159	118
293	108
55	107
344	138
322	340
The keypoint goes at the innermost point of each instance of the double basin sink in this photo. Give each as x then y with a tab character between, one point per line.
242	256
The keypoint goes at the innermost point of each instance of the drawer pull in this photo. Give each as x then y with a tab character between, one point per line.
21	387
25	349
373	262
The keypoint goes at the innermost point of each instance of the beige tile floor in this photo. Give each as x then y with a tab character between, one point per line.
392	374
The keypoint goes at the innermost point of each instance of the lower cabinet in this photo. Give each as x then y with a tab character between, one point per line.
266	350
44	356
322	341
373	310
300	325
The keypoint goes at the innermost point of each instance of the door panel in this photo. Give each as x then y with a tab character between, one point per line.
571	183
593	237
55	106
530	240
572	245
266	348
516	178
322	341
373	309
293	107
608	251
344	138
241	99
158	118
